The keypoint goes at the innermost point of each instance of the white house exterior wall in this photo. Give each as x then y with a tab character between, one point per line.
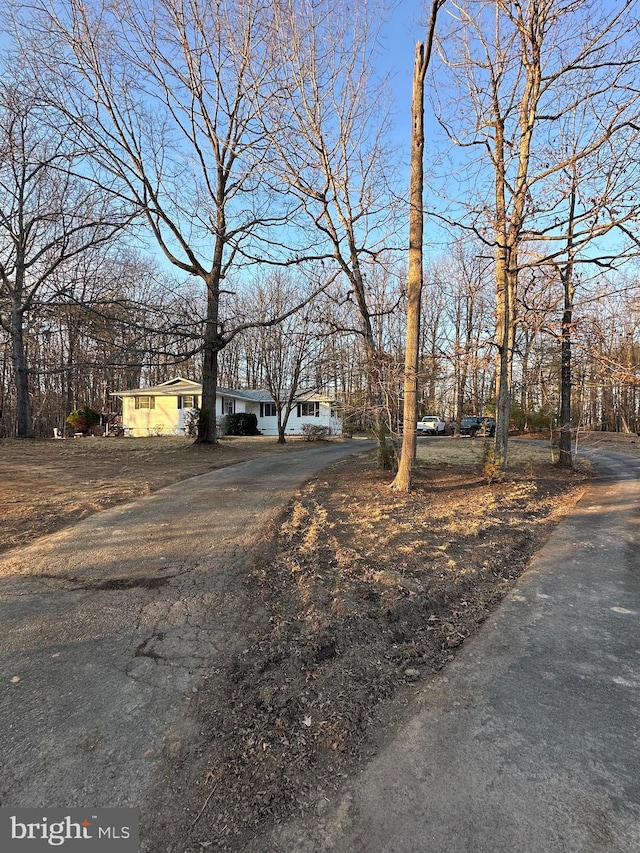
269	425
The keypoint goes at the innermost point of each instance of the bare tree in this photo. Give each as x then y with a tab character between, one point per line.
597	192
519	69
402	481
167	97
334	157
287	351
466	288
48	217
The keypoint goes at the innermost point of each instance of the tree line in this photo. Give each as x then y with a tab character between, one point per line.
216	190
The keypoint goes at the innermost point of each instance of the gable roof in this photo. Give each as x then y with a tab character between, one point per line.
172	387
178	386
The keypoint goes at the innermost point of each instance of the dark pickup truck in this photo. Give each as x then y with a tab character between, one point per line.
477	425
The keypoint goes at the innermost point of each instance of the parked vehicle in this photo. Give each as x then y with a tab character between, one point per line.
477	425
431	425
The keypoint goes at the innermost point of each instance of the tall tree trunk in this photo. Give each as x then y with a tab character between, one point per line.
207	420
402	481
505	337
21	373
375	360
465	350
506	279
213	343
565	458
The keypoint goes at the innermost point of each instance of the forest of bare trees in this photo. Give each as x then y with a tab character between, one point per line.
218	191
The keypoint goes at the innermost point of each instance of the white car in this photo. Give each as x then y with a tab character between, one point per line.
431	425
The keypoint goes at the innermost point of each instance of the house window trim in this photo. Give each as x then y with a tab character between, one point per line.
268	410
149	398
316	409
183	405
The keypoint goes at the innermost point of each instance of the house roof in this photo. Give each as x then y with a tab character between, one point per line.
172	387
179	386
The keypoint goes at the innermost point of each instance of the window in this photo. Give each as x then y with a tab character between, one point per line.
145	402
268	410
308	410
188	401
228	406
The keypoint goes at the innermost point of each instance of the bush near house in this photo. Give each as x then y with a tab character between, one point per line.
191	420
83	419
315	432
242	423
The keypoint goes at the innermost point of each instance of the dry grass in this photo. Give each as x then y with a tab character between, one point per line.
46	485
619	442
468	451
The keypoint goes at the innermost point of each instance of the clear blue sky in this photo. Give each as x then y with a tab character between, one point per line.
405	27
397	51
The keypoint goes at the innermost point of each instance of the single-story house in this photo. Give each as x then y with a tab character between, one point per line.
164	409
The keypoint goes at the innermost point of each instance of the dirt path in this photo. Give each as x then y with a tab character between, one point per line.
107	627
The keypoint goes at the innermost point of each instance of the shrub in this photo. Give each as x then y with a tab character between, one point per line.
491	463
315	432
350	424
191	419
386	453
83	419
534	421
243	423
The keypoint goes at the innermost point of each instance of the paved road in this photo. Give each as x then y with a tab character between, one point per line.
107	626
529	741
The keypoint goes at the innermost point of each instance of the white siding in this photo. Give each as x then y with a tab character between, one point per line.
269	426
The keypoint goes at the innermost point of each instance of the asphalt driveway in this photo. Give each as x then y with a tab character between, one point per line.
108	625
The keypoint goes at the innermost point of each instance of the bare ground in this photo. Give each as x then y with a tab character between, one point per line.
368	594
47	485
